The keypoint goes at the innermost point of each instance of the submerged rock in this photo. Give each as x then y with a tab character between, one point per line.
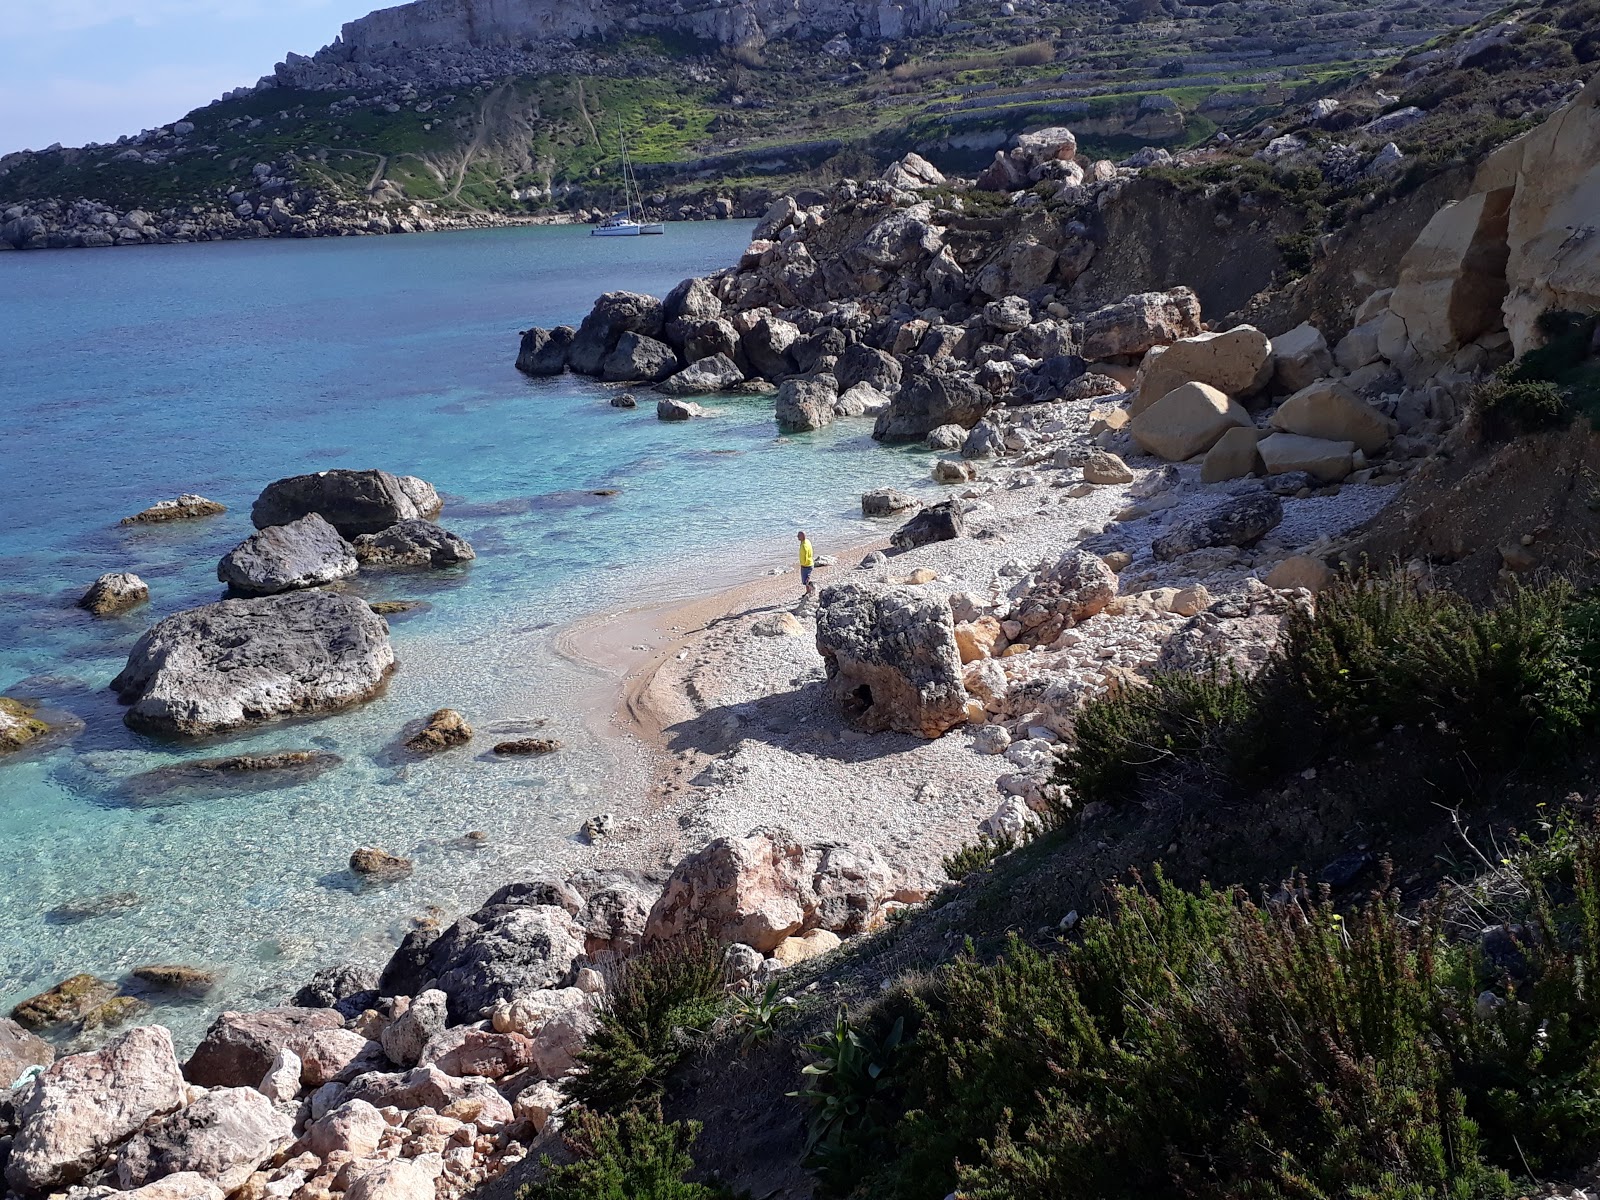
186	507
237	662
18	725
353	502
115	592
375	863
67	1003
180	980
237	772
528	746
415	543
679	410
444	729
282	558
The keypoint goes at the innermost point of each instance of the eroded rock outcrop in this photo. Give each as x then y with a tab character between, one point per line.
281	558
891	658
225	665
414	543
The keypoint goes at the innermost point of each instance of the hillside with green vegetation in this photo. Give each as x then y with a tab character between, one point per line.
703	122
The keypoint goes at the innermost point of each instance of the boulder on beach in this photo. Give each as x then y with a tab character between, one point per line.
222	666
353	502
886	501
891	658
931	395
20	1050
186	507
936	523
1136	323
1241	521
751	890
283	558
114	592
415	543
86	1104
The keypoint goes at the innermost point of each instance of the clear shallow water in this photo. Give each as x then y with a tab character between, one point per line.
133	375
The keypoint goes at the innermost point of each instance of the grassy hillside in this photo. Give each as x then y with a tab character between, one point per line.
1123	75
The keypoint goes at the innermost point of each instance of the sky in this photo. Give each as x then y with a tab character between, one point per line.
76	71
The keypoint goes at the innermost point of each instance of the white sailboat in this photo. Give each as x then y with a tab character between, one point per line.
626	224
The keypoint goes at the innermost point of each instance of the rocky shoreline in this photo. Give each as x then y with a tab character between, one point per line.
1125	490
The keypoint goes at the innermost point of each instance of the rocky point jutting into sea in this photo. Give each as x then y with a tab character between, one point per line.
1149	458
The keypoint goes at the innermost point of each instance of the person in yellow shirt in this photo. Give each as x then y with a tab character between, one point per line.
808	562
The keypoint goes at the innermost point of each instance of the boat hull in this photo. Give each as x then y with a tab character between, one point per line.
615	231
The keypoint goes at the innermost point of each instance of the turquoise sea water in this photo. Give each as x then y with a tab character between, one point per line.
132	375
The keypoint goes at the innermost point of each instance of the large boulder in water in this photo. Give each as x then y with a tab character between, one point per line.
353	502
805	403
237	662
86	1104
613	315
717	373
284	558
638	358
413	544
544	351
891	658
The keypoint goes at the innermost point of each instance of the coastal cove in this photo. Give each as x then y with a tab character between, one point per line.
217	369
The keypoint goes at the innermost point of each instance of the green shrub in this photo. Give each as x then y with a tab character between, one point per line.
658	1003
1479	689
1510	410
633	1156
1566	361
978	856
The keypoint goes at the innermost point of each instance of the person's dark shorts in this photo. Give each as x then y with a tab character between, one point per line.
805	576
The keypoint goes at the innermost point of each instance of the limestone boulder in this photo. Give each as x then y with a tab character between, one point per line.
115	592
1324	460
1241	521
711	338
862	400
239	1049
20	1050
1300	571
1106	469
238	662
1187	421
543	352
1453	278
767	345
754	890
891	658
805	403
185	1185
353	502
224	1136
281	558
414	544
936	523
355	1128
553	1024
422	1019
489	1054
803	947
1362	346
1233	457
470	1099
401	1179
1330	410
613	917
1553	227
1238	362
703	377
885	502
1135	324
84	1105
1300	357
689	305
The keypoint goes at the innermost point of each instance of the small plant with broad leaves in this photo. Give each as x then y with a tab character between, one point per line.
849	1086
759	1012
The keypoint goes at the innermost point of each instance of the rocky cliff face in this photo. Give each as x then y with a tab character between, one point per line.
749	23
